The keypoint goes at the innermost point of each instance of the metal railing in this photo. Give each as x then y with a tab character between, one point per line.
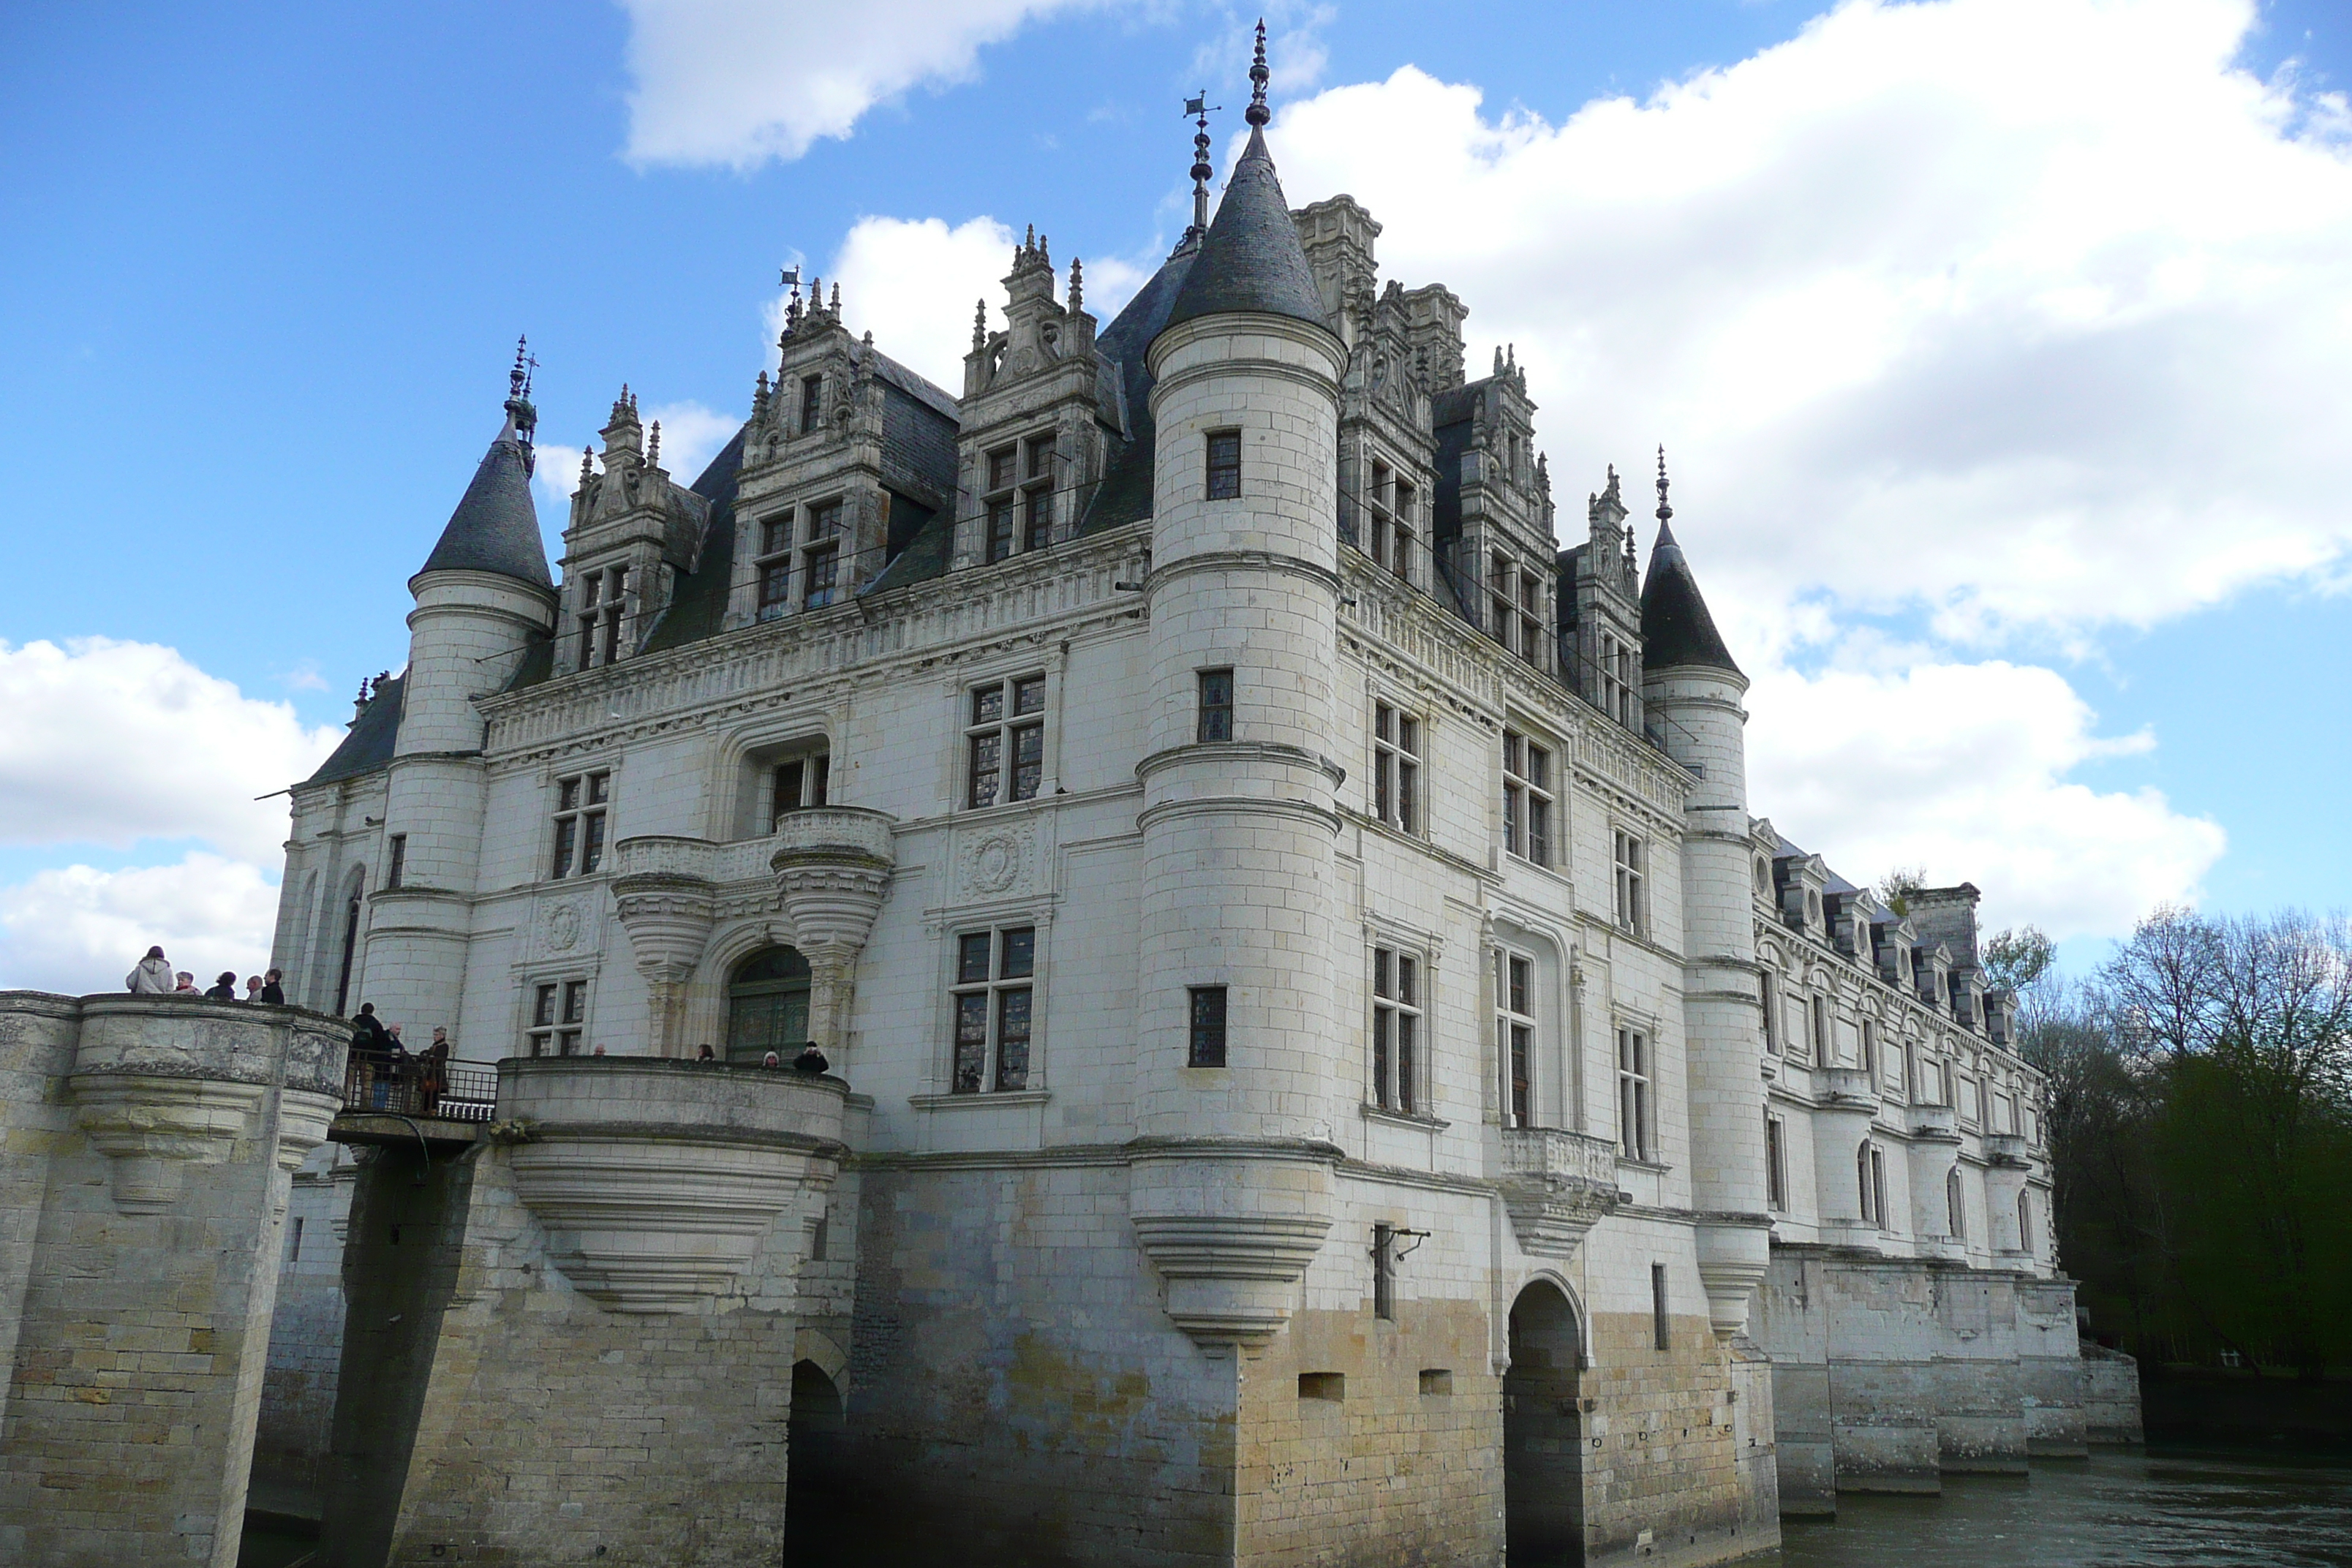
408	1087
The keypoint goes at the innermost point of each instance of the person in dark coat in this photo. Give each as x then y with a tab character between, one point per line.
370	1054
272	992
224	988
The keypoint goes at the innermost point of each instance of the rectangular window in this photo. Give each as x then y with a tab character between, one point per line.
1207	1047
559	1012
1527	798
1614	685
604	602
1633	868
775	584
1384	1272
1396	1029
580	805
1001	468
821	561
1776	1164
992	998
1396	768
1635	1134
1389	522
1038	519
1984	1104
1820	1009
1515	1033
296	1255
1870	1050
812	402
398	869
800	785
1956	1205
1225	464
1004	742
1768	985
1216	705
774	562
1870	1173
1661	1325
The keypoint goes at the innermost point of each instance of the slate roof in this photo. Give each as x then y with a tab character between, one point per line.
1251	259
496	527
1125	494
1677	630
369	745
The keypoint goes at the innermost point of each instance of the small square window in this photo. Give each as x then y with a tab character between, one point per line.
1216	705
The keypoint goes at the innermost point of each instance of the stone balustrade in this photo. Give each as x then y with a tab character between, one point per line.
1556	1186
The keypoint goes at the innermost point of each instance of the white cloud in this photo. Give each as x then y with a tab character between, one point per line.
913	282
1962	768
2018	320
2028	313
78	929
110	743
738	82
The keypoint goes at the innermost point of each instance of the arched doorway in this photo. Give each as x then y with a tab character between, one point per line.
1543	1432
768	1006
815	1531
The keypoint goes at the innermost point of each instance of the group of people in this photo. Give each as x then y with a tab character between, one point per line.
387	1076
154	976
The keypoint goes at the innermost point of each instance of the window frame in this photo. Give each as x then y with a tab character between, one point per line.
580	834
1629	855
1767	993
603	606
1007	729
821	553
1222	452
1956	1205
1000	987
1519	1025
1530	797
1776	1164
395	865
1637	1114
1213	694
772	565
1387	499
1208	1020
1397	747
555	1023
1399	1042
814	779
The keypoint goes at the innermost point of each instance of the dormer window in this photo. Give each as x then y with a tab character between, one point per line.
812	402
1763	877
821	558
1018	504
1389	502
603	599
1615	693
774	564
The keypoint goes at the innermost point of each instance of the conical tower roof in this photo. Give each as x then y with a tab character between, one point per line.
1251	259
1677	630
496	527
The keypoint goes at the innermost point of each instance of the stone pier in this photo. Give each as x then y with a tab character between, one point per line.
577	1341
146	1145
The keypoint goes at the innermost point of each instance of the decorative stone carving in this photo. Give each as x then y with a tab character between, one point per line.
833	869
151	1128
562	928
1556	1186
1231	1231
657	1180
997	861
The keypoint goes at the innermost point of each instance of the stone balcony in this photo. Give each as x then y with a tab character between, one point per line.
1556	1184
1845	1087
1936	1123
656	1181
2008	1150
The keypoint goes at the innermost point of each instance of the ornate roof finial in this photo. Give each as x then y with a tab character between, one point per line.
586	470
1078	286
1257	113
1201	108
653	446
979	326
1044	252
836	297
1665	513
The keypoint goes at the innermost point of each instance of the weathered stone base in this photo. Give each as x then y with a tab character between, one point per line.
1891	1374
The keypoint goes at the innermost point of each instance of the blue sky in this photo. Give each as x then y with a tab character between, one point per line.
263	268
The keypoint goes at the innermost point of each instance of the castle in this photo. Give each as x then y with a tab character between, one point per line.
1324	1064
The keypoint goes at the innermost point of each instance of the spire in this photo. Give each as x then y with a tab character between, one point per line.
1078	286
1256	113
1201	108
979	327
1676	629
496	526
1251	261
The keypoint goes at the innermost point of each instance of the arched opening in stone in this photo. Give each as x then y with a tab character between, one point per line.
1543	1432
815	1535
348	939
768	1006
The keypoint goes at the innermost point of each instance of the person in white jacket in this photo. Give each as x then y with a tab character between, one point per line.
152	977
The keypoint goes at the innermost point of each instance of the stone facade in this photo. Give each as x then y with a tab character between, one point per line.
1335	1058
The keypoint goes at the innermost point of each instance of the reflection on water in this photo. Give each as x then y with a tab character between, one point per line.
2112	1510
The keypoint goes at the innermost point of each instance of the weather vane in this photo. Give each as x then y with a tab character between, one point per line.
1199	110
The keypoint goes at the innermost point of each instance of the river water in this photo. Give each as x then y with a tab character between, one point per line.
2115	1509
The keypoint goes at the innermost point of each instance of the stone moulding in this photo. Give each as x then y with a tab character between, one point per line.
657	1181
1555	1186
1231	1231
1735	1250
152	1128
